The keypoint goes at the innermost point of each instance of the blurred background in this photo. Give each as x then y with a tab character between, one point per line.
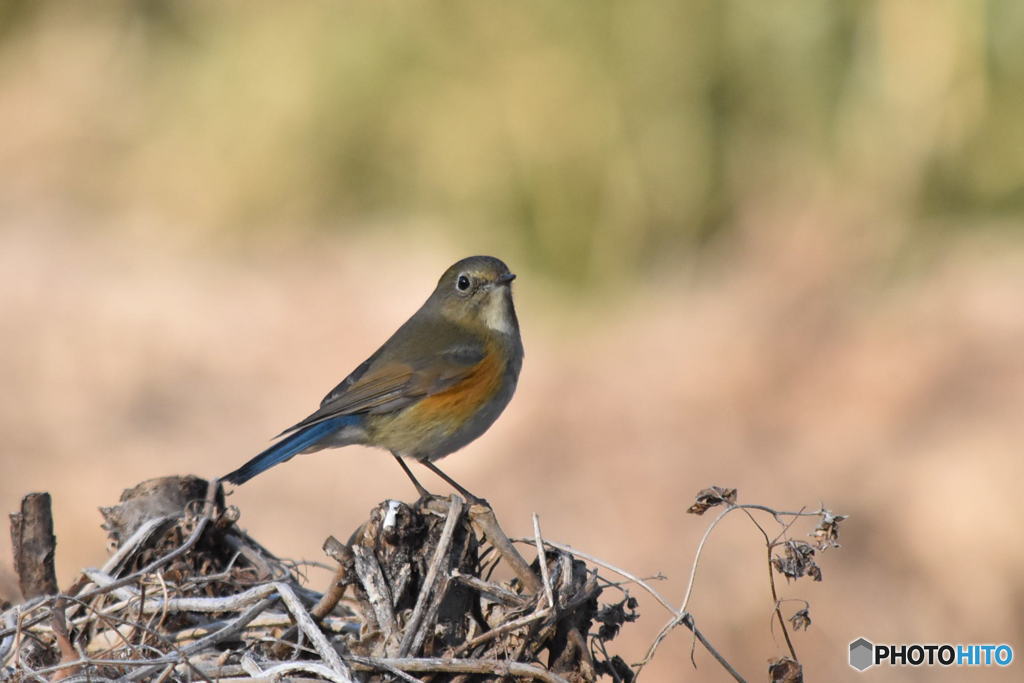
773	246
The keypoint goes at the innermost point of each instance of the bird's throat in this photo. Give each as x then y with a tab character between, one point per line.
497	310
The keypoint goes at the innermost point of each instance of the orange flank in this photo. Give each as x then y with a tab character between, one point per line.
459	402
430	422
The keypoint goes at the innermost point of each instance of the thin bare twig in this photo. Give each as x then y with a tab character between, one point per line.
769	544
611	567
500	630
414	633
686	619
483	518
60	628
306	625
141	535
377	591
341	554
490	589
542	560
228	603
275	672
731	507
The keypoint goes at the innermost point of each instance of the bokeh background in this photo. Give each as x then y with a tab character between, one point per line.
775	246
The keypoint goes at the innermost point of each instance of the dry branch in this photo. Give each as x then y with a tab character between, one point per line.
34	546
188	595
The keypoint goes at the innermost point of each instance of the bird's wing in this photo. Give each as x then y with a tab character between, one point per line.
383	383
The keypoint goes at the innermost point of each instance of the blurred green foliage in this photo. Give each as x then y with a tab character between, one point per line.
592	135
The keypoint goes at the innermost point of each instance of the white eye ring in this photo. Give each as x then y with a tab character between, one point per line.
462	282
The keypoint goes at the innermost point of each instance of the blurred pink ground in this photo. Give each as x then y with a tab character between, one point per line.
801	373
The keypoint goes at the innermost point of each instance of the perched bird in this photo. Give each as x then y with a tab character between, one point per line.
438	383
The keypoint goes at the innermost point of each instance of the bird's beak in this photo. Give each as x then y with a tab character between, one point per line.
506	278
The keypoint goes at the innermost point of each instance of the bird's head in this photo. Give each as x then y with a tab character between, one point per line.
476	292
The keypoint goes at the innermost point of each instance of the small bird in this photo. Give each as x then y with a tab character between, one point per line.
437	384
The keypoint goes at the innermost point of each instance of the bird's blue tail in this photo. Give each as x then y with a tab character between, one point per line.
286	448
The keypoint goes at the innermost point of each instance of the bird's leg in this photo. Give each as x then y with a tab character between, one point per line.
415	482
458	487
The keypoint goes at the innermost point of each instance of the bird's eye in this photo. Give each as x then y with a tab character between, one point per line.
462	284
